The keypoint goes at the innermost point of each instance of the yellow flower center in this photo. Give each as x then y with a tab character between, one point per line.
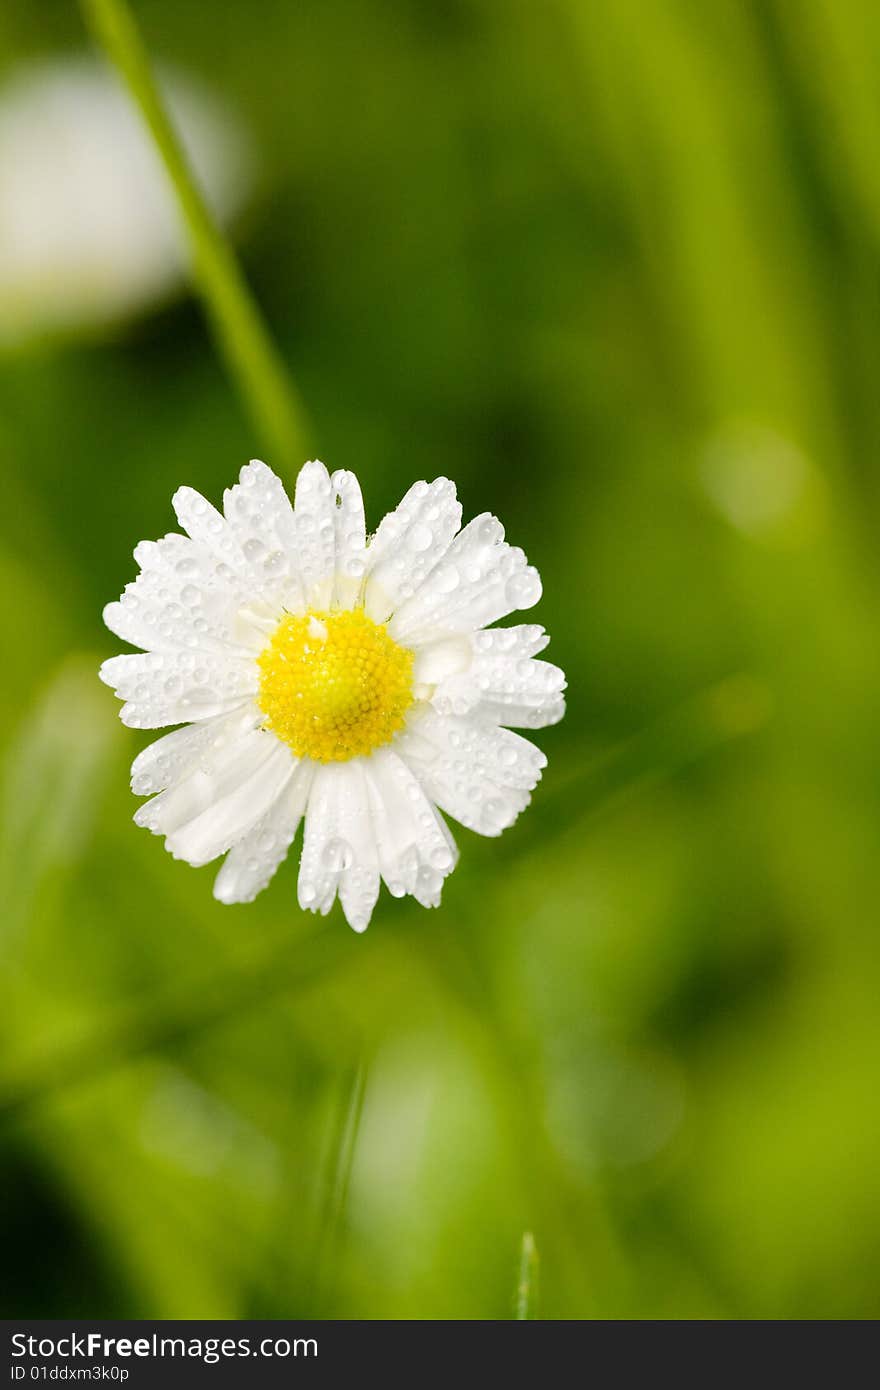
334	685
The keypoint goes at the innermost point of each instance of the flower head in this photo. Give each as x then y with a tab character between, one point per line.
356	684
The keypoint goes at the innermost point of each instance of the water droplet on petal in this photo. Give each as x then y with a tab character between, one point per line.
336	855
420	538
446	579
523	589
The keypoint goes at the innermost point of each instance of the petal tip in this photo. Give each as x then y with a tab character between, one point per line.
105	673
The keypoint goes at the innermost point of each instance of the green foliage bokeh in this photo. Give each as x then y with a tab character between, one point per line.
613	266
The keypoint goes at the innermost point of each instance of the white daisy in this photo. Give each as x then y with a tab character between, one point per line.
355	683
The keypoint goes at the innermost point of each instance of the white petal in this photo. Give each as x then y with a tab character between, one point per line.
440	660
183	599
319	866
408	544
521	640
224	586
480	580
315	533
350	538
254	566
480	776
219	801
339	851
249	866
177	687
170	758
188	597
261	518
217	770
226	821
414	846
503	684
205	525
358	893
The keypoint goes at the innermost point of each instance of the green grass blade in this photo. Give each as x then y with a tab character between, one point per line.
340	1162
527	1286
241	334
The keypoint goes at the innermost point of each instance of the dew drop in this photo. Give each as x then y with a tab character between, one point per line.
421	538
523	589
490	531
336	855
446	580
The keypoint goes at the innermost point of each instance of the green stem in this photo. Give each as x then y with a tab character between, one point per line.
242	337
341	1162
526	1289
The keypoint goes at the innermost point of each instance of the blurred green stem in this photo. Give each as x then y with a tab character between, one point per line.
340	1163
528	1271
241	334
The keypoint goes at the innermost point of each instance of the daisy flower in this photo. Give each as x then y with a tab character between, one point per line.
354	683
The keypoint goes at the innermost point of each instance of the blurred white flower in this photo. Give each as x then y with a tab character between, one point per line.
356	685
89	230
757	478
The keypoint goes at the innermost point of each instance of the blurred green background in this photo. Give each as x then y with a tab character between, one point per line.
614	266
